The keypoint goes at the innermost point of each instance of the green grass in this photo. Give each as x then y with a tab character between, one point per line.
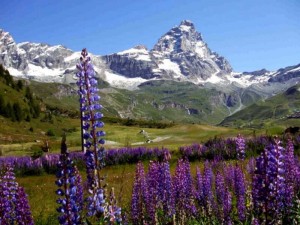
116	135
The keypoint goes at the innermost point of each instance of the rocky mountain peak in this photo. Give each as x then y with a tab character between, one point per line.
141	47
6	38
179	39
185	26
187	23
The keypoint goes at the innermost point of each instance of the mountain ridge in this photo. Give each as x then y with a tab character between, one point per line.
180	54
179	58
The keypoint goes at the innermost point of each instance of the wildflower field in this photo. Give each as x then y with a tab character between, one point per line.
233	178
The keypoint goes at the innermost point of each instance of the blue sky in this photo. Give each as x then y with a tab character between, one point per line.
250	34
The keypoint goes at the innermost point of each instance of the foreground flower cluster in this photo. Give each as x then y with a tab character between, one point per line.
220	192
14	207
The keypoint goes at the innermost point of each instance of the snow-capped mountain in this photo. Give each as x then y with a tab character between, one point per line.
181	55
39	61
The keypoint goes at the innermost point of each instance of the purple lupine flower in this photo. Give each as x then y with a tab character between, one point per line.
220	195
291	175
114	212
268	184
23	213
96	203
207	189
152	184
165	189
240	147
183	191
8	189
92	137
240	192
199	188
227	207
14	208
69	190
251	166
229	177
139	198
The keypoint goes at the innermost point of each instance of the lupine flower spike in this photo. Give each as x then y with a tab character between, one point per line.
268	185
69	189
92	134
240	147
14	207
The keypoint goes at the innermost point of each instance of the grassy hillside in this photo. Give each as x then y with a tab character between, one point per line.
271	112
156	100
17	101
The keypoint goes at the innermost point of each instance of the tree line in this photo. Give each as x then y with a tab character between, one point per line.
14	109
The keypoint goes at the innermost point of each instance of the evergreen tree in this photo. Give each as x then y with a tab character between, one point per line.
2	105
28	94
17	112
1	71
9	112
19	85
8	79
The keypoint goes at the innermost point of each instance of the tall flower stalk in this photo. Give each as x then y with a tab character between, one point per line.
268	185
92	140
139	198
69	189
91	120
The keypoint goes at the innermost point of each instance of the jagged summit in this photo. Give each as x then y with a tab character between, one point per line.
187	23
6	38
179	39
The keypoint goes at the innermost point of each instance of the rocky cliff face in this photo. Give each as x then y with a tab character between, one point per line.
285	74
135	62
185	46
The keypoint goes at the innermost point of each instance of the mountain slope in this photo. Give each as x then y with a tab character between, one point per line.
16	99
274	109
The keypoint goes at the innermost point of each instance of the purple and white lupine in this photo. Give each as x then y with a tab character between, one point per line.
69	189
114	211
14	207
240	147
268	184
93	142
91	120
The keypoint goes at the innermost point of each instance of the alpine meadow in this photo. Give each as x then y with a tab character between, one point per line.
167	135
